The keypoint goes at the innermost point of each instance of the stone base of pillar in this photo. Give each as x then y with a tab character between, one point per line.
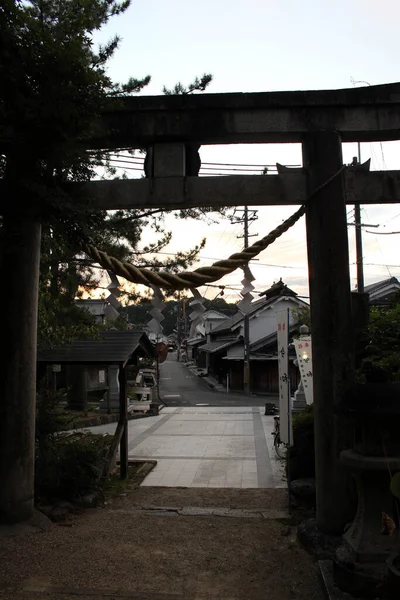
299	400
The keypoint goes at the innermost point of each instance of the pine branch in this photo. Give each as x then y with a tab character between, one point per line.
198	85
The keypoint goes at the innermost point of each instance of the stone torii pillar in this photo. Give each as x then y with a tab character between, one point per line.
330	300
19	276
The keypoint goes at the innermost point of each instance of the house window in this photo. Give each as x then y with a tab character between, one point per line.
102	376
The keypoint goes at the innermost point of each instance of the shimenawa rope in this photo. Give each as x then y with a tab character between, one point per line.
203	275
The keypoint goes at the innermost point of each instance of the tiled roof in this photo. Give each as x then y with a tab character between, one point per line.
256	306
221	344
381	289
112	347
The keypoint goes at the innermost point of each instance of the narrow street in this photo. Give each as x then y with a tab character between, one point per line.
180	387
204	438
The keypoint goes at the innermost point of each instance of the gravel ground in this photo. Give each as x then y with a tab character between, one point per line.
228	497
115	553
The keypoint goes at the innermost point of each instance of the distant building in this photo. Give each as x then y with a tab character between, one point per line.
102	310
212	319
222	354
155	338
382	292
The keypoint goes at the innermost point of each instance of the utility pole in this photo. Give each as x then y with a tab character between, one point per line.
358	225
359	254
178	328
246	321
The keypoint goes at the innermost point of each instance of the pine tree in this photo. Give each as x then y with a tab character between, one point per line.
53	86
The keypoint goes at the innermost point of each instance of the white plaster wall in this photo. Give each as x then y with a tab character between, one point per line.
264	323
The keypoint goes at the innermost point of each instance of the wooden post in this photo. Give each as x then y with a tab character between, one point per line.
77	392
123	421
331	322
19	278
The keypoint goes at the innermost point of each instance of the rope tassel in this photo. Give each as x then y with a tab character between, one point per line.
196	316
156	312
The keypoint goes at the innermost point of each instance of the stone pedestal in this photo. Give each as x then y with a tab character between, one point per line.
299	398
361	562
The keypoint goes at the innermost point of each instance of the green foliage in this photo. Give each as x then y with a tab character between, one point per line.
66	466
198	85
70	467
49	418
54	86
302	453
60	320
382	339
302	316
139	314
53	82
120	323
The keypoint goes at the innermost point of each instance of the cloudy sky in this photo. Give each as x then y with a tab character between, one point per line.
268	45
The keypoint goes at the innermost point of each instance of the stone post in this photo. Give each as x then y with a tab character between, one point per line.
331	322
299	397
19	276
123	420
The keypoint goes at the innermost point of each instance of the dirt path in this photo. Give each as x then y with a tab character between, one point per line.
122	551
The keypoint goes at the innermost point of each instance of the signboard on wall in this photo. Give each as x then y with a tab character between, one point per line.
285	405
304	358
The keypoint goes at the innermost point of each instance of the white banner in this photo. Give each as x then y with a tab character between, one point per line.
304	357
285	405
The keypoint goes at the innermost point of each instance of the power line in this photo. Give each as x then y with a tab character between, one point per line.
379	246
245	165
219	258
383	232
392	218
219	174
229	168
129	162
127	168
207	165
379	265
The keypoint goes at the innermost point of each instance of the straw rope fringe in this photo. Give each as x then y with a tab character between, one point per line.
203	275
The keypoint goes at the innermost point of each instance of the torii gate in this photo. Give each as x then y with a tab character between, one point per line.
320	121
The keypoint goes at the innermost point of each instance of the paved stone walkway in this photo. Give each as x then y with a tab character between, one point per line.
215	447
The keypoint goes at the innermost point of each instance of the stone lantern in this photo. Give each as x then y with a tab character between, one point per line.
361	563
299	398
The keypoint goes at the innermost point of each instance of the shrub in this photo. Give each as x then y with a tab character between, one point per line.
302	453
70	466
67	466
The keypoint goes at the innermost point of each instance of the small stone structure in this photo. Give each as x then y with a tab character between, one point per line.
360	563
